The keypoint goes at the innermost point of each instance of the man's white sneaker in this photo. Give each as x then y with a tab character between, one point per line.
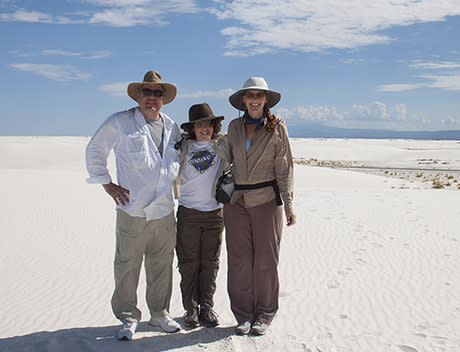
167	323
127	330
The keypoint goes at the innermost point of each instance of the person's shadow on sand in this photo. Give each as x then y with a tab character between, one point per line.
102	339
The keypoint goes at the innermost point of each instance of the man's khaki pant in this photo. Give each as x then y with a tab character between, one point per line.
136	240
253	243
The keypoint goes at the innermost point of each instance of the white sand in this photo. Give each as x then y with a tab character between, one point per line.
373	263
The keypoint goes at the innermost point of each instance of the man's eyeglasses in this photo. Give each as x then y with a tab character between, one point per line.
149	92
251	95
200	124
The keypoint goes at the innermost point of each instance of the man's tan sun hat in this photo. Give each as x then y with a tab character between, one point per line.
254	83
153	77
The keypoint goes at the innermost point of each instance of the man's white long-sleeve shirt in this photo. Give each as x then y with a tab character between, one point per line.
140	167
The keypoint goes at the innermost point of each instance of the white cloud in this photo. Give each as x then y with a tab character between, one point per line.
20	54
118	3
59	52
372	113
117	13
446	76
126	13
115	89
92	55
22	15
378	111
205	94
97	55
397	87
450	121
435	65
447	82
60	73
123	17
318	25
311	113
422	121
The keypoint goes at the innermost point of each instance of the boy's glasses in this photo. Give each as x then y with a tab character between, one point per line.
200	124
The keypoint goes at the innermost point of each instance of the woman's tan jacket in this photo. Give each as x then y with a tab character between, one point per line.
269	158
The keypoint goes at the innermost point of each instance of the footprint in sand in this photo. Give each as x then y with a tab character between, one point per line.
406	348
333	284
376	245
437	343
345	272
416	219
441	340
360	261
421	335
323	333
429	325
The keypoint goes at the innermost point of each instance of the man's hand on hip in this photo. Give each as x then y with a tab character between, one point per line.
118	193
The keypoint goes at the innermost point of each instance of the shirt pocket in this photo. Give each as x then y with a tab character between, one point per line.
137	147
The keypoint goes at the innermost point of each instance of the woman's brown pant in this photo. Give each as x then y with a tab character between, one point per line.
253	238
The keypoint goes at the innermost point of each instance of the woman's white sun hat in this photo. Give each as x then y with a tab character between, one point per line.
254	83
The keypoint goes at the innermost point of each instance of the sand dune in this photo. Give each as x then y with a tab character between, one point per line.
372	264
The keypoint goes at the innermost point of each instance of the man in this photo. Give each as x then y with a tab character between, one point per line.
143	140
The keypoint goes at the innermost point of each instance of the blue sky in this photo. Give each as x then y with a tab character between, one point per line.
387	64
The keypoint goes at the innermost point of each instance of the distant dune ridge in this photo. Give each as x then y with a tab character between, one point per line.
313	130
371	265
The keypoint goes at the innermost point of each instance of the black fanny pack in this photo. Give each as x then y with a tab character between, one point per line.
271	183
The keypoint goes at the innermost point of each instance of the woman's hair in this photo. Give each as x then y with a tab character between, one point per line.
216	124
271	124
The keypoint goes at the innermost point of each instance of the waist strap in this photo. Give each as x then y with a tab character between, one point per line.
271	183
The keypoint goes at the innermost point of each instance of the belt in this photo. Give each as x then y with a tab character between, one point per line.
271	183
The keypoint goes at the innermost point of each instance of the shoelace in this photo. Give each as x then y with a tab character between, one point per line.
127	324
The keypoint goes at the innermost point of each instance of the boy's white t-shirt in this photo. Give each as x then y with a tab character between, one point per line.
198	175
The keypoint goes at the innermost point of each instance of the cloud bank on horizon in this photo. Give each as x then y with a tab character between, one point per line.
357	36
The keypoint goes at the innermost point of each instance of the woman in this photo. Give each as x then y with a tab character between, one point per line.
263	175
204	155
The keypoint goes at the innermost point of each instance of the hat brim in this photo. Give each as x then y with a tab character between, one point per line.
237	102
168	96
185	124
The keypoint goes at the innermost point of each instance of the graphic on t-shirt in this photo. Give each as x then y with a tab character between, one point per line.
202	160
